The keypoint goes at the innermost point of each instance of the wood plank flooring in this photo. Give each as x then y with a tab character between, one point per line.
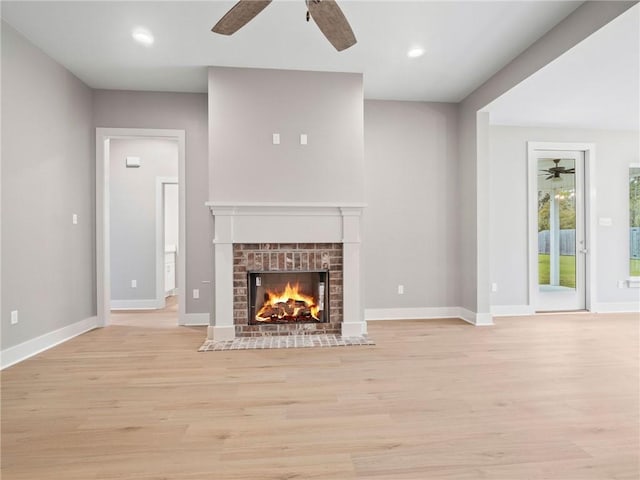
547	397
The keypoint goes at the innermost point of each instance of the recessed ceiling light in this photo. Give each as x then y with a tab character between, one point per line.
415	52
143	36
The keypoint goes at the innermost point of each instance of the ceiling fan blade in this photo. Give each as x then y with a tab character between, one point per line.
332	23
239	15
549	177
569	170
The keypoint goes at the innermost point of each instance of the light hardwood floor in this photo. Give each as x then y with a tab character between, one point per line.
548	397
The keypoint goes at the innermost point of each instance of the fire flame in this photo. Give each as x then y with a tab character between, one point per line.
287	304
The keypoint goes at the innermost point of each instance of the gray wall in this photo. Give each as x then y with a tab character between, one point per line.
411	220
48	271
474	156
615	150
246	106
133	213
182	111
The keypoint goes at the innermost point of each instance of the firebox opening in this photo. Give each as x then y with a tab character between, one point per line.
288	297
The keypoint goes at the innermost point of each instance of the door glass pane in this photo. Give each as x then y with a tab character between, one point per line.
634	221
556	224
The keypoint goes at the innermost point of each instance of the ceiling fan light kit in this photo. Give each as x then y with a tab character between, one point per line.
325	13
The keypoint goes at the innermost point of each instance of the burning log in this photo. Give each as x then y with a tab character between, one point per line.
288	306
289	311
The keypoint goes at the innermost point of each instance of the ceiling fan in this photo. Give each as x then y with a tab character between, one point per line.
326	13
557	170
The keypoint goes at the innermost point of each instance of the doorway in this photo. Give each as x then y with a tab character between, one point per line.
559	230
106	140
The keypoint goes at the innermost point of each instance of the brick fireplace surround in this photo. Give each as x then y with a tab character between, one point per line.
286	257
286	237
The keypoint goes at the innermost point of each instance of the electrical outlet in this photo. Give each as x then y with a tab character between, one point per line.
14	317
196	293
494	287
134	284
621	283
400	289
74	218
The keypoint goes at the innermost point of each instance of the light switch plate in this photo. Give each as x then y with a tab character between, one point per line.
276	139
132	162
303	139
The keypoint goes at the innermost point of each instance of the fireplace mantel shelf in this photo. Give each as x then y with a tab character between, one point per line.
286	209
226	204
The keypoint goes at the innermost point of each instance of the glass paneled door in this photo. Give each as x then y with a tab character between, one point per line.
560	238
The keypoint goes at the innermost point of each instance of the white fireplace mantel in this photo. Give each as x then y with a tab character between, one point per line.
286	222
269	222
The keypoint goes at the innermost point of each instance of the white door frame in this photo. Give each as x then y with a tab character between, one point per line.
589	150
103	244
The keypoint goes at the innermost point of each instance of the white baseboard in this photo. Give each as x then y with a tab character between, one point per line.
483	320
614	307
22	351
477	319
142	304
512	310
195	319
428	313
424	313
467	315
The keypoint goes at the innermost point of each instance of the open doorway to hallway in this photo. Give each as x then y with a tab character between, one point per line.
140	225
160	318
143	224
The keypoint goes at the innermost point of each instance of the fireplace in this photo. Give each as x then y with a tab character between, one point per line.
288	297
288	240
287	288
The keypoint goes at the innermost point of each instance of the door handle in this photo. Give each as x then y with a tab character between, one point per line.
584	250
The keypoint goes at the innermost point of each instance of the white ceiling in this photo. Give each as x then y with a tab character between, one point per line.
594	85
465	42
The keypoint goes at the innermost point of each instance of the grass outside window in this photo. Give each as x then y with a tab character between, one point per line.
634	267
567	270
